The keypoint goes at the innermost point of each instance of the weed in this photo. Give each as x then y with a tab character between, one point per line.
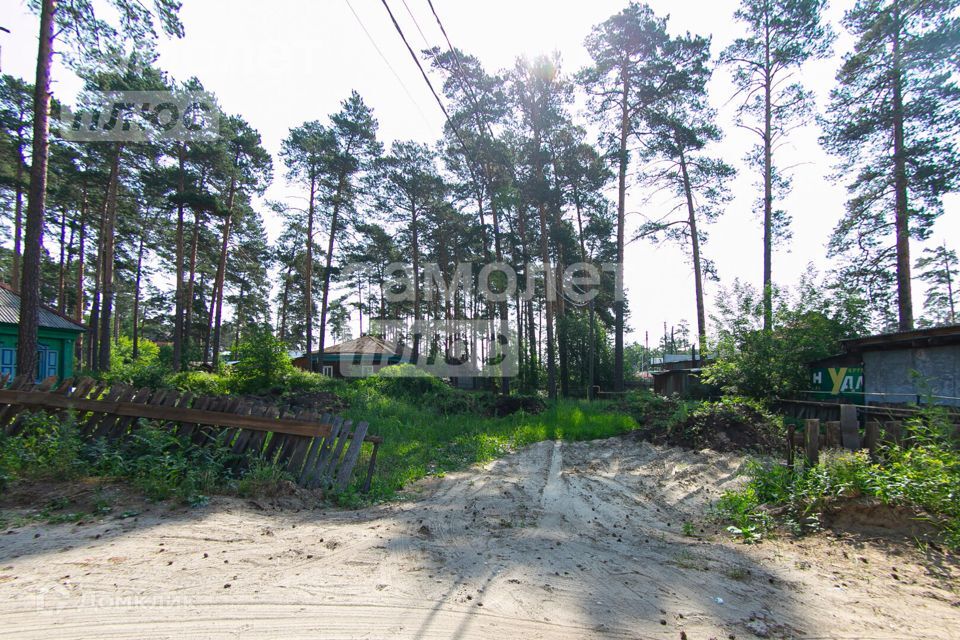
925	474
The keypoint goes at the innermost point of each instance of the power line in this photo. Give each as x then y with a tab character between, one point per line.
387	62
423	72
417	24
461	77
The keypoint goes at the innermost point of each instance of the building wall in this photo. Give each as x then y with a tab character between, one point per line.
887	375
57	341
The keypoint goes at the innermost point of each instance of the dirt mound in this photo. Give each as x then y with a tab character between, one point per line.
871	518
728	425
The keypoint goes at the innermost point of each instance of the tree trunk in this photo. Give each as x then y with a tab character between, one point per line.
81	256
415	241
695	246
178	267
136	301
946	267
110	219
904	287
218	284
18	212
337	199
767	183
285	298
623	158
308	278
33	237
188	301
61	270
93	328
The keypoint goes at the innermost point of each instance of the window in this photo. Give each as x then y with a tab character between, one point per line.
366	370
328	370
8	362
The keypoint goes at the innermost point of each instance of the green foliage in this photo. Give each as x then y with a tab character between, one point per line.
263	479
925	474
263	364
770	364
200	383
154	460
145	370
46	447
892	121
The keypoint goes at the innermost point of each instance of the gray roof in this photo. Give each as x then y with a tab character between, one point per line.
10	313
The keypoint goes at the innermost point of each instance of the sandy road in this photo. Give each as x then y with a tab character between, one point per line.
556	541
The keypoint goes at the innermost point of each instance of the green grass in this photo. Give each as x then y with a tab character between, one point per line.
421	440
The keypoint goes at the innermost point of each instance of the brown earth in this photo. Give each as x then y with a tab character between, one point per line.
582	540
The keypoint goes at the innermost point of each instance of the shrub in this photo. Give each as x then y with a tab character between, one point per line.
199	383
263	479
925	475
146	370
263	364
46	447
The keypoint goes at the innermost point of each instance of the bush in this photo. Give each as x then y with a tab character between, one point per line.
263	479
47	447
200	383
766	364
263	364
146	370
925	475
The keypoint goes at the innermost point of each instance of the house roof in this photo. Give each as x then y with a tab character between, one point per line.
367	345
49	318
933	337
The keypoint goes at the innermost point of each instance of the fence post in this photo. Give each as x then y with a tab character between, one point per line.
812	440
850	427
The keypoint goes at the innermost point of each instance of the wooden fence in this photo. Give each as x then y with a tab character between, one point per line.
318	450
845	432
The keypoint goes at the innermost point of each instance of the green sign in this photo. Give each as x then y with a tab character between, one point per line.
838	381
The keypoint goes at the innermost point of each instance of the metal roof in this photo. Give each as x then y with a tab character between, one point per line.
918	338
367	345
50	319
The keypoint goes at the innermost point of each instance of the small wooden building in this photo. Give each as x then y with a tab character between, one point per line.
909	366
56	338
361	357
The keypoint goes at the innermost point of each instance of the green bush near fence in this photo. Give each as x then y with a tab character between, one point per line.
923	473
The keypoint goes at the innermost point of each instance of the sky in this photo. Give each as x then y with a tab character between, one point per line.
284	62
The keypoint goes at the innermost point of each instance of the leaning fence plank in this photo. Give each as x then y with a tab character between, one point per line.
325	476
376	448
313	453
326	453
315	449
351	456
259	439
296	447
9	412
99	408
123	424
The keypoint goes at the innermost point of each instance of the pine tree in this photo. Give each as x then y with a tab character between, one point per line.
893	120
781	36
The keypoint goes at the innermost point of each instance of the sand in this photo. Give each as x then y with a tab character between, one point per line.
578	540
